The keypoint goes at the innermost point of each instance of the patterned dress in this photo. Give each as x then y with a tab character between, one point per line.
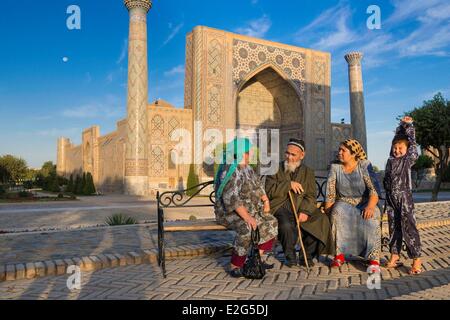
243	190
353	235
400	204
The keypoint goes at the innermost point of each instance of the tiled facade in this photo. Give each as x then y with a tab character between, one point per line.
231	82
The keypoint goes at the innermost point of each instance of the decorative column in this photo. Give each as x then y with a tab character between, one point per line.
136	154
358	115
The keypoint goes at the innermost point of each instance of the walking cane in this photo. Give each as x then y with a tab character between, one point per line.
299	231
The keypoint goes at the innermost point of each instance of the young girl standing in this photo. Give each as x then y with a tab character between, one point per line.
400	204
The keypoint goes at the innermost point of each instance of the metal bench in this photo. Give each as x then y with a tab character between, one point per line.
180	199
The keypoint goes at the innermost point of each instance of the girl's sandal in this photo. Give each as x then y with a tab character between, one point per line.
415	271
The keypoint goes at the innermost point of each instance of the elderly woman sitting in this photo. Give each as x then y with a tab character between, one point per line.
242	205
351	198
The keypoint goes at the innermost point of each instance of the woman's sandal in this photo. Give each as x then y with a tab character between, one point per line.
337	261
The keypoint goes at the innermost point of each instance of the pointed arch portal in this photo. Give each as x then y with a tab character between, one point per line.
268	100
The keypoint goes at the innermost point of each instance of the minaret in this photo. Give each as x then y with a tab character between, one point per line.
358	115
136	161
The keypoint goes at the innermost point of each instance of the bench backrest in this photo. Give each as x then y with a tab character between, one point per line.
182	198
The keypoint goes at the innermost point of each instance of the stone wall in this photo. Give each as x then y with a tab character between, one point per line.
341	132
111	169
220	64
231	81
73	161
163	119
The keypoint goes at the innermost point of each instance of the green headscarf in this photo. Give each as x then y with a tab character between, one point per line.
233	154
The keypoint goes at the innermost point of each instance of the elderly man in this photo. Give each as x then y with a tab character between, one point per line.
296	177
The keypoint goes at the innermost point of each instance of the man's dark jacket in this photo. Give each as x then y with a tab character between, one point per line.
277	189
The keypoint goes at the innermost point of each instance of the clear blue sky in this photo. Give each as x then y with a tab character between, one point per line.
43	97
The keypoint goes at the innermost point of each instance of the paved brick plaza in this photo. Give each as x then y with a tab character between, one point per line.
205	277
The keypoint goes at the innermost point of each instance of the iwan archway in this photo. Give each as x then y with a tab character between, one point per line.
268	100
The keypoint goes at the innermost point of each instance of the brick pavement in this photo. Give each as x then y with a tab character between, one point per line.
22	248
205	278
42	246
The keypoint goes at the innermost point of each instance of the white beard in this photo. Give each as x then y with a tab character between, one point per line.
291	167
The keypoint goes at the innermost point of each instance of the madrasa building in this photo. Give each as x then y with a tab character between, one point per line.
232	81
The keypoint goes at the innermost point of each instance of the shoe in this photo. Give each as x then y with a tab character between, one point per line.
267	260
416	268
415	271
374	266
303	263
236	273
338	261
290	261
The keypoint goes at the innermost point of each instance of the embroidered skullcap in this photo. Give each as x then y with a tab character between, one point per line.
298	143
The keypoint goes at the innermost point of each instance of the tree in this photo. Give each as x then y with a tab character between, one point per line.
422	163
54	185
83	183
31	174
70	185
89	187
446	176
48	168
28	184
40	180
16	168
376	169
62	181
78	188
91	183
192	181
433	134
4	174
47	176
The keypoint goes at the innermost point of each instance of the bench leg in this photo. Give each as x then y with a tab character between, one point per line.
161	248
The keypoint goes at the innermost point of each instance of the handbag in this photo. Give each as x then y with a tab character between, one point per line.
253	268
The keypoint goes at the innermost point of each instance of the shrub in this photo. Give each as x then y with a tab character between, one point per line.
28	185
2	190
60	196
71	196
25	194
12	195
120	220
192	181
